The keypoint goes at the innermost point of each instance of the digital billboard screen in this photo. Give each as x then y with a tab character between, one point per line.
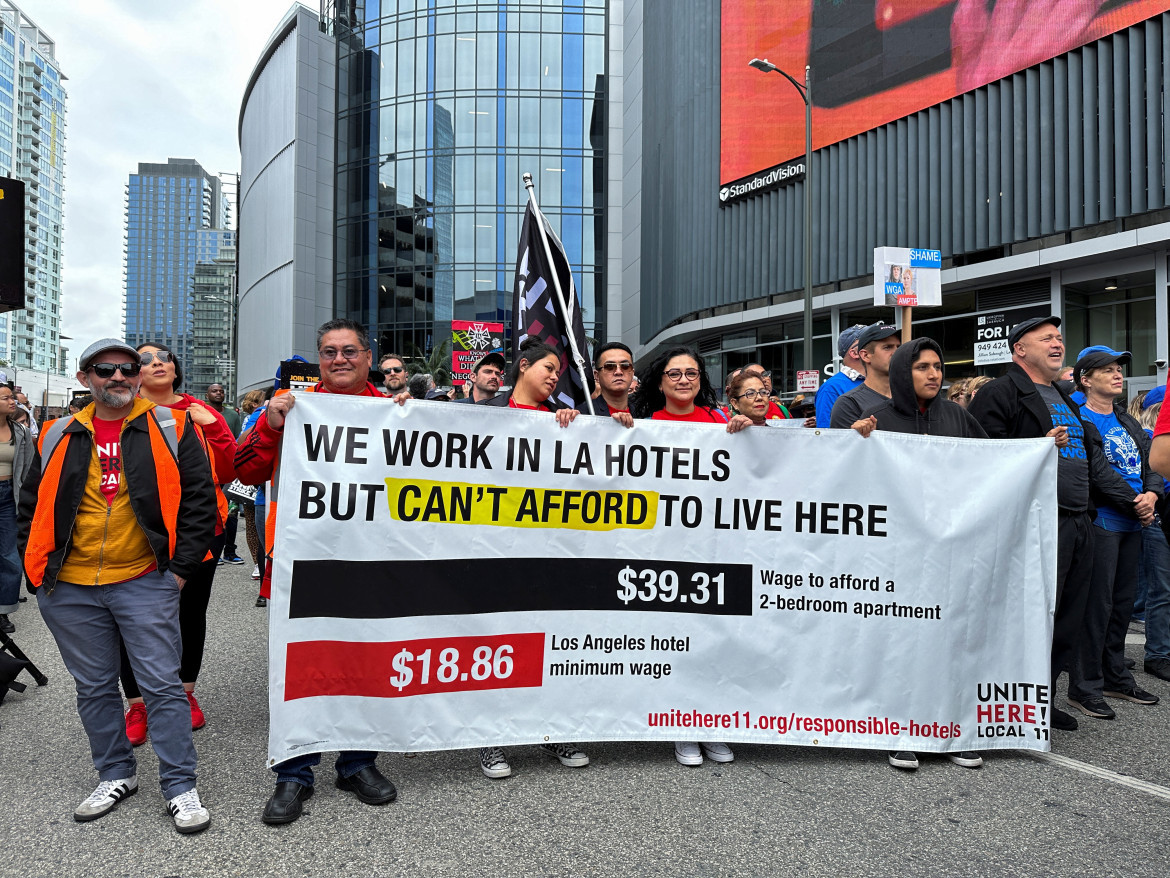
874	61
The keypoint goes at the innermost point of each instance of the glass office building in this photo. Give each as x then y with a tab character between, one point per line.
442	106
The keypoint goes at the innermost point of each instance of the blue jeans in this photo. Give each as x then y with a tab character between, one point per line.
1156	568
10	568
85	620
299	769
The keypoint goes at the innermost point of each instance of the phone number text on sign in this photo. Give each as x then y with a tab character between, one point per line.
414	667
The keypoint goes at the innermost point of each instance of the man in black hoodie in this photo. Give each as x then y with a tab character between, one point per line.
916	406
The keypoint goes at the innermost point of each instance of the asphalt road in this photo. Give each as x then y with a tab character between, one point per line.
1100	807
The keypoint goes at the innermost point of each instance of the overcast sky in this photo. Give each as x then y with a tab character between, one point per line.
147	80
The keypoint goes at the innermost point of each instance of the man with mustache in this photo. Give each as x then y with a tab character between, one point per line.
118	510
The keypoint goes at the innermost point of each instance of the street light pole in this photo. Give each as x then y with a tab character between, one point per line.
805	92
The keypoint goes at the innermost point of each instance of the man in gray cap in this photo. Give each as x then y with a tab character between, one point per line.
850	374
485	379
117	511
876	346
1027	403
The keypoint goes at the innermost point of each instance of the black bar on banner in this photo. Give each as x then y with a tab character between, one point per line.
467	586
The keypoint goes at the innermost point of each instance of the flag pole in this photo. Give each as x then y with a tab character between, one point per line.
578	359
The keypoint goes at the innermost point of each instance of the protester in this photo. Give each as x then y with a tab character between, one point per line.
485	381
1154	572
253	399
613	369
1125	505
748	396
915	374
420	385
79	402
120	497
16	454
875	347
1026	403
776	411
23	404
394	376
676	387
259	504
161	378
849	374
215	401
344	354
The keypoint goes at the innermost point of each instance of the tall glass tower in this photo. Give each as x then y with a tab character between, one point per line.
442	106
167	206
32	149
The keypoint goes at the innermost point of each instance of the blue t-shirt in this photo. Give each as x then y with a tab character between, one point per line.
1125	457
838	385
1072	472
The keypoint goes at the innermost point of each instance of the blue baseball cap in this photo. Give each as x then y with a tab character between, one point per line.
849	337
1096	356
1155	396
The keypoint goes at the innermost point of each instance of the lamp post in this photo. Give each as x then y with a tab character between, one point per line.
805	91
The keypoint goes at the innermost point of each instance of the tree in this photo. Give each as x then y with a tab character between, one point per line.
437	363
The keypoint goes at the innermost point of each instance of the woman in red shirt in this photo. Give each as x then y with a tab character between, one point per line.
162	376
676	388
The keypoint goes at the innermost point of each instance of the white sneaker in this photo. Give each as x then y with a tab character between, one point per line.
568	754
687	753
256	572
493	763
188	812
105	798
717	752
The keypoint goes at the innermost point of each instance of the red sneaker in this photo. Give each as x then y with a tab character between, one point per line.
197	719
136	723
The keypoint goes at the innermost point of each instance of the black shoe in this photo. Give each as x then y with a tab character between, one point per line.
1130	663
369	786
262	602
1094	707
1159	668
284	806
232	559
1065	722
1136	694
6	624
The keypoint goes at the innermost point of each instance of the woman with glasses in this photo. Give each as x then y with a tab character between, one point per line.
749	397
162	376
675	387
16	454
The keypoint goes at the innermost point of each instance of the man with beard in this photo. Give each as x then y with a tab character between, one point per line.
394	375
485	379
117	511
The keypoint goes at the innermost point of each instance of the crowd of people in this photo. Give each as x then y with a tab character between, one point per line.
118	517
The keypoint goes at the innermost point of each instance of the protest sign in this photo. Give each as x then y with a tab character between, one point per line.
450	577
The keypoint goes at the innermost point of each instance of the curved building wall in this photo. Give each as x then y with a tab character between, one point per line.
286	199
441	109
1068	150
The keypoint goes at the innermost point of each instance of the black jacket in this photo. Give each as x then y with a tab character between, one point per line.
1010	407
1117	492
901	414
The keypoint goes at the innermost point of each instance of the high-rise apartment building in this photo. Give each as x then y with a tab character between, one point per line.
32	149
213	354
168	208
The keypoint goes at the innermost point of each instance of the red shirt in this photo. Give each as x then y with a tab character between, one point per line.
775	412
512	404
107	439
1163	425
699	416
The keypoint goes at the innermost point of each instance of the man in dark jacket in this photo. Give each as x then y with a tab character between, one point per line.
1026	403
485	379
916	406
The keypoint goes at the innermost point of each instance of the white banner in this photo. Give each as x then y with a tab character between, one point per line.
459	576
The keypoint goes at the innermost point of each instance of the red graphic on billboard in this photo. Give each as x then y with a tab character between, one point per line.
874	61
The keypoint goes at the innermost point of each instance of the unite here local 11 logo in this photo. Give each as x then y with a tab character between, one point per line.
1013	710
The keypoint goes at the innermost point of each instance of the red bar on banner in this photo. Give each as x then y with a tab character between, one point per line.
413	667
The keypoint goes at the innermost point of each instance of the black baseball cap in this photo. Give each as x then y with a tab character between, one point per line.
490	360
876	332
1025	326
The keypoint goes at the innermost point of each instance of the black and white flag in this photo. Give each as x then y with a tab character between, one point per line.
535	312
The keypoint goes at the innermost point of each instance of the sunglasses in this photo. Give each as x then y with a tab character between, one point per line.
162	356
393	370
623	366
107	370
